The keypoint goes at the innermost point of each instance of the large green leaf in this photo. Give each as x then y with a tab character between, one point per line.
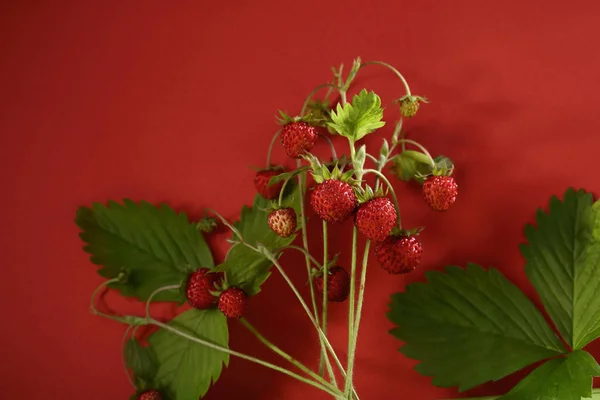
359	118
187	369
469	326
568	378
154	246
246	268
563	263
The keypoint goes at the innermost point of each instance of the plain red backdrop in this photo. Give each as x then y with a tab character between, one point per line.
174	101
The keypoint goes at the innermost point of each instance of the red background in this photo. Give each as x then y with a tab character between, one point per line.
174	102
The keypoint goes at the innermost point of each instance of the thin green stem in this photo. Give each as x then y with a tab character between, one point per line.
312	93
331	147
284	355
421	147
123	358
302	184
157	291
255	360
95	311
324	306
351	308
356	324
308	312
226	223
391	68
303	251
282	191
275	136
394	198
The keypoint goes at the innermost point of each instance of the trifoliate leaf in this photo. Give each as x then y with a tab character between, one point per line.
563	263
246	268
568	378
469	326
142	362
410	165
154	246
186	369
360	118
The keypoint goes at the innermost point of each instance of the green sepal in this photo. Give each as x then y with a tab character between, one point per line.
207	224
288	175
407	232
443	166
366	194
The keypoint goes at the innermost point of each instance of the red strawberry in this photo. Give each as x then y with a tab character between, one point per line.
298	138
440	192
150	395
232	302
399	254
376	218
283	221
261	183
338	284
200	285
333	200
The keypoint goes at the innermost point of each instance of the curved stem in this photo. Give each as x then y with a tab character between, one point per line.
227	224
387	182
356	323
312	93
123	358
324	306
391	68
333	152
282	191
243	356
307	310
94	310
348	385
283	354
303	251
421	147
275	136
372	158
157	291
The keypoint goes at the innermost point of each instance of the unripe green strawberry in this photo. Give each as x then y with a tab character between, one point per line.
233	302
399	254
409	107
199	287
338	284
150	395
376	218
283	221
440	192
261	183
333	200
298	138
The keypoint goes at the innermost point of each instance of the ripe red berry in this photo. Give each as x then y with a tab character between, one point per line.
376	218
440	192
261	183
338	284
399	254
150	395
283	221
333	200
233	302
298	138
199	287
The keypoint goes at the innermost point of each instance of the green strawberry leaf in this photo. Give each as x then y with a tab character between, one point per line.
142	362
563	263
410	165
187	369
566	378
360	118
244	267
469	326
154	246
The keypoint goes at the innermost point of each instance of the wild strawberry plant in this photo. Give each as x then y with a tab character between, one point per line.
155	254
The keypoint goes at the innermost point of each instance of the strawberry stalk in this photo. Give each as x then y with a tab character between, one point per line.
351	325
421	147
275	136
324	308
391	68
394	198
123	360
313	92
